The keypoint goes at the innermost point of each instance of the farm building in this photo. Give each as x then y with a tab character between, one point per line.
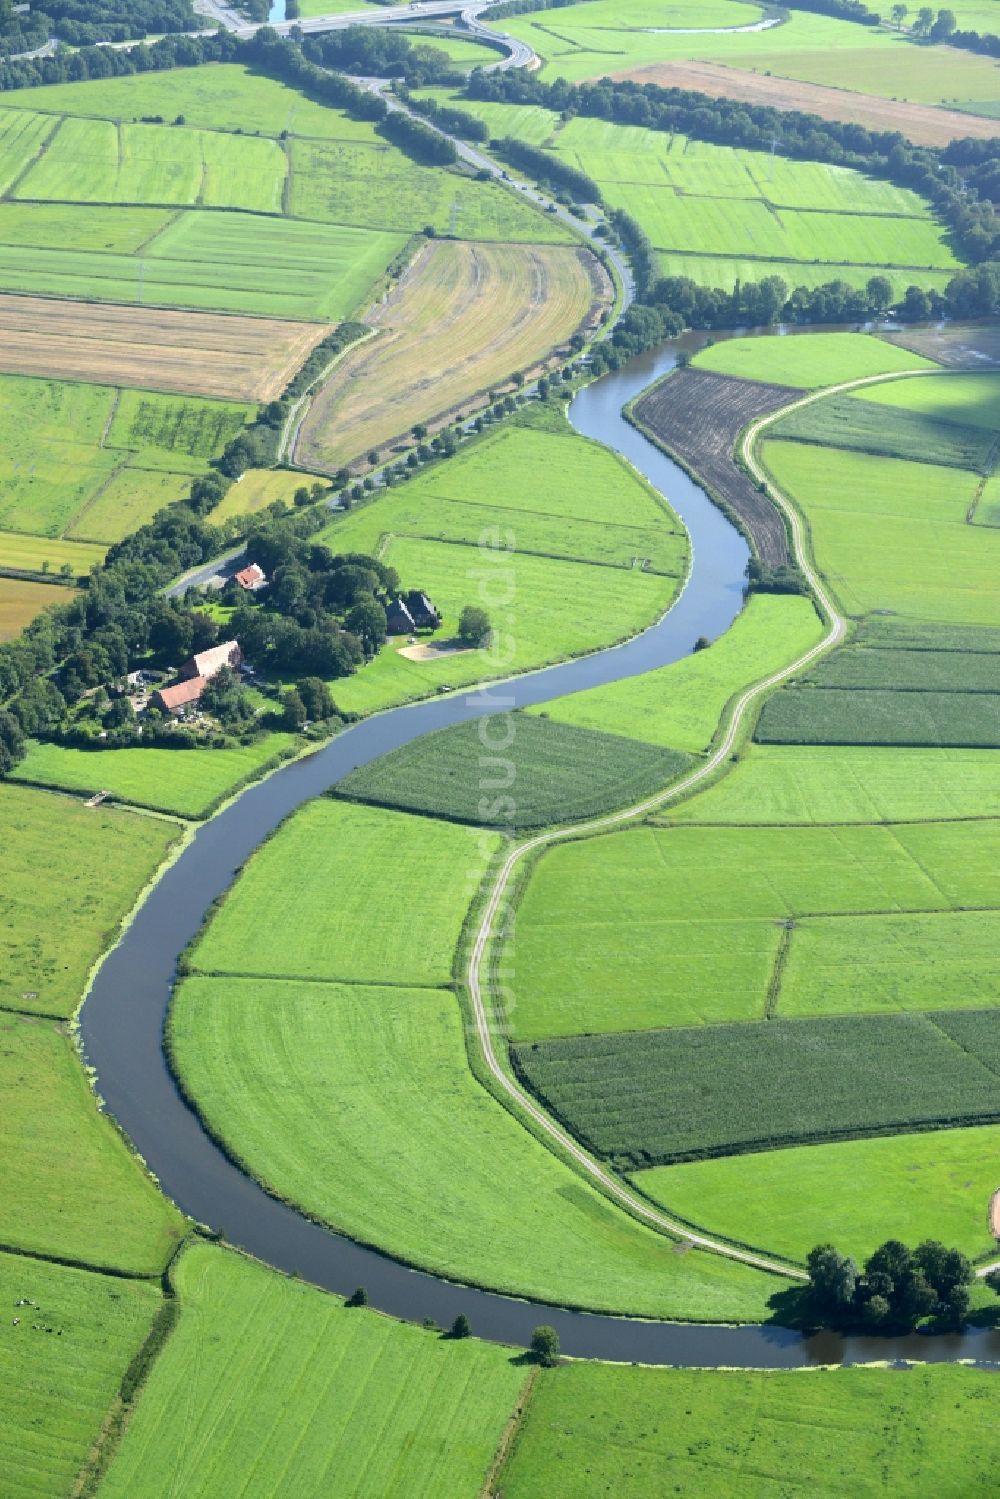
411	611
207	663
252	578
181	695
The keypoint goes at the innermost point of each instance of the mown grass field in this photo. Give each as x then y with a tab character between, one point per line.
386	1408
680	705
791	784
452	296
689	921
889	534
966	400
329	881
725	270
810	360
513	771
31	553
21	601
593	1430
848	421
57	1386
855	1193
72	1188
642	1099
224	262
187	782
59	915
357	1102
259	488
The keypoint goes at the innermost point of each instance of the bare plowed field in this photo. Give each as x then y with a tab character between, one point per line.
463	318
698	416
970	347
924	124
241	358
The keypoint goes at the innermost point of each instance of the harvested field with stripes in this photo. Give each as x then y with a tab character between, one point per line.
463	317
240	358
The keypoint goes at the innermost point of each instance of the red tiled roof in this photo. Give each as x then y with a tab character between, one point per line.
180	693
207	663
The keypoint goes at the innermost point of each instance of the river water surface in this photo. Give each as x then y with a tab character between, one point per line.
122	1019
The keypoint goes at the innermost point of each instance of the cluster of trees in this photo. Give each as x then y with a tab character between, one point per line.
83	22
19	32
322	614
456	121
418	141
897	1288
885	154
548	167
377	52
943	27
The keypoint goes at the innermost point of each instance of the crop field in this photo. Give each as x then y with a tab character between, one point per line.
389	1409
412	1163
62	1358
239	358
680	705
98	161
72	1188
58	918
789	784
188	784
225	262
551	493
378	187
917	671
88	483
889	534
809	715
453	297
882	633
642	1099
925	125
32	553
222	96
959	346
705	910
515	771
328	880
854	1193
809	360
848	422
22	600
593	1430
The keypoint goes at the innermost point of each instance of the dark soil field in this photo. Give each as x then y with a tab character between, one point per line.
698	415
962	348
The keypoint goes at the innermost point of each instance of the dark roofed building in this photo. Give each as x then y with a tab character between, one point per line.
422	611
398	619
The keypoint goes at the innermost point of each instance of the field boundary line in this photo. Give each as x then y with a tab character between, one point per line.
609	1184
289	440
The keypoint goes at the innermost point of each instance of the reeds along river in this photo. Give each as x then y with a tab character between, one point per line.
122	1020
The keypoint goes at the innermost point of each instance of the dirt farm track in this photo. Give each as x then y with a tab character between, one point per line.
194	353
462	318
924	124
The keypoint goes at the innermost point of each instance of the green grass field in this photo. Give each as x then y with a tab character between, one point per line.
809	360
31	553
378	187
514	771
189	783
97	161
224	96
966	400
60	1368
724	271
386	1408
790	784
644	1099
809	715
357	1103
59	918
680	705
75	456
855	1193
848	421
704	910
22	136
529	122
867	667
261	487
72	1188
593	1430
330	883
892	535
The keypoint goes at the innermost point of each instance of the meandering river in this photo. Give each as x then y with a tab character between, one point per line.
123	1017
